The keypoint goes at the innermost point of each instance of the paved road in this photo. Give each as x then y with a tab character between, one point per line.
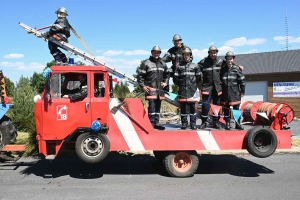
141	177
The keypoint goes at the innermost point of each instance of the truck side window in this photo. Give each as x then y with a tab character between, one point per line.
99	85
55	87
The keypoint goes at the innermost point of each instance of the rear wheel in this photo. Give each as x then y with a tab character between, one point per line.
181	164
261	142
92	148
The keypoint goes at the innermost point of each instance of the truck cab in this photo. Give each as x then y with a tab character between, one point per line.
60	120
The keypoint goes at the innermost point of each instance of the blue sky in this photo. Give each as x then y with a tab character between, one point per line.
122	33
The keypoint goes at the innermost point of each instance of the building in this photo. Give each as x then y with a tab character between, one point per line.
273	77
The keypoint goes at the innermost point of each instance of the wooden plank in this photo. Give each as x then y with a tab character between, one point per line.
14	147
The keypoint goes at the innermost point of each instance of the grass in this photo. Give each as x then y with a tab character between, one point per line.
22	137
296	142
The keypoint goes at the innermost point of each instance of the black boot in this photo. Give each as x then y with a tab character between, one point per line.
184	126
203	124
227	126
238	125
216	124
193	127
159	127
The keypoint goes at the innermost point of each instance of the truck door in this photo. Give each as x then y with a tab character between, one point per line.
100	97
62	116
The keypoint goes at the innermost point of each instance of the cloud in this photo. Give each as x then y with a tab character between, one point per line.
22	66
120	63
224	49
282	39
11	64
14	55
136	52
32	67
242	41
211	43
203	53
113	52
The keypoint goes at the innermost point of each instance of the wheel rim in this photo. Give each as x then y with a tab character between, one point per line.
262	142
92	146
182	162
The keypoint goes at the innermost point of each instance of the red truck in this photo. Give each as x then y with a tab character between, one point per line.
62	123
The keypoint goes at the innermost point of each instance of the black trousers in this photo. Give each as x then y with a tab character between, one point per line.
206	100
184	113
227	113
154	110
56	53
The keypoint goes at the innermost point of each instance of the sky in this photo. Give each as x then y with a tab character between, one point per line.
122	33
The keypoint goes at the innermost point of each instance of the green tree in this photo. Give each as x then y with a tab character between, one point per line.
137	88
37	81
49	64
9	86
121	90
175	88
22	113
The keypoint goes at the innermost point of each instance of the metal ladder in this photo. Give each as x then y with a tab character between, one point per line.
89	58
81	54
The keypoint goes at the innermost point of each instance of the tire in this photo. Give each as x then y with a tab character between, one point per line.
92	148
181	164
159	155
261	141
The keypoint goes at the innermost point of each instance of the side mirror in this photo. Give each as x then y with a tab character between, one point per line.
48	83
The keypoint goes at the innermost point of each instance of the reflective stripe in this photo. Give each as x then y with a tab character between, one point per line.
194	114
187	73
204	116
142	71
151	113
208	140
211	68
183	114
155	69
126	128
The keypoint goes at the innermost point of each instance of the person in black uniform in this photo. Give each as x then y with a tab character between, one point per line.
78	93
187	75
174	55
152	78
60	28
233	88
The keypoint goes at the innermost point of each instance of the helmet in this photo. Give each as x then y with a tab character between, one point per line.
212	48
62	10
187	50
176	37
230	53
156	48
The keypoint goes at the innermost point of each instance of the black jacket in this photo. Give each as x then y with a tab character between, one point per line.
174	55
62	29
233	85
211	75
151	73
187	75
79	93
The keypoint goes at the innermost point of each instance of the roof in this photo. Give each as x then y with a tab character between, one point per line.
69	68
269	62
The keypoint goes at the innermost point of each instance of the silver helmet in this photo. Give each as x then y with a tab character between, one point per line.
156	48
176	37
212	48
229	53
62	10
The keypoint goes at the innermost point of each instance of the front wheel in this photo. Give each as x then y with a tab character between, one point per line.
92	148
181	164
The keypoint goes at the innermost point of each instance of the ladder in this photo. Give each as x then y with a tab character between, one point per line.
91	59
81	54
